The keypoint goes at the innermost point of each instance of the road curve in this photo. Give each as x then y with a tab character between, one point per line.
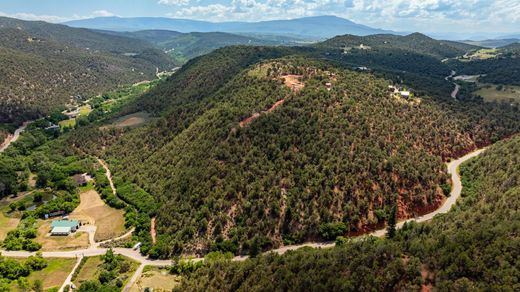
457	87
456	190
12	138
135	255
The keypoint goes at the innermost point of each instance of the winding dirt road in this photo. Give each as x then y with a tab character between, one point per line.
12	138
457	87
135	255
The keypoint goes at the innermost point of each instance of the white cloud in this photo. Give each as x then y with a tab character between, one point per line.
103	13
174	2
54	18
30	16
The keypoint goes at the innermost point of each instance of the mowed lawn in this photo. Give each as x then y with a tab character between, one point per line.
109	222
91	268
53	275
156	278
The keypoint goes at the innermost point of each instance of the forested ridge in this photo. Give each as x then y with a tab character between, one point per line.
340	158
186	46
415	42
45	65
474	247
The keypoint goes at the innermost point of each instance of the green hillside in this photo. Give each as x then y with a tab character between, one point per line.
185	46
472	248
346	155
45	65
416	42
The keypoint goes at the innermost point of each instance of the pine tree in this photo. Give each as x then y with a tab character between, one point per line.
392	222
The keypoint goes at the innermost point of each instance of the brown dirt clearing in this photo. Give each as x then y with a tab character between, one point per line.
110	222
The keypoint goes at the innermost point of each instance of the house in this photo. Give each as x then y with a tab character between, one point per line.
64	227
81	179
405	94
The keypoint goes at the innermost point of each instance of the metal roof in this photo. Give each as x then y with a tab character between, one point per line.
64	223
61	230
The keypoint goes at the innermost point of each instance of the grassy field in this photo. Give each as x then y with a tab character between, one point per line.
7	224
8	221
110	222
156	278
67	123
77	240
91	269
55	273
52	276
505	94
85	110
486	53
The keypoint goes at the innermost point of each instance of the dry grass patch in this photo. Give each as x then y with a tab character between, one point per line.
131	120
7	224
8	221
110	222
77	240
55	273
156	278
501	93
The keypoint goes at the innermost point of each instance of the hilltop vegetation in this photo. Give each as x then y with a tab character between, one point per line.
46	65
186	46
343	156
416	43
472	248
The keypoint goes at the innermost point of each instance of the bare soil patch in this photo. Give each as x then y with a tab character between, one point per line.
248	120
153	233
132	120
77	240
293	82
92	209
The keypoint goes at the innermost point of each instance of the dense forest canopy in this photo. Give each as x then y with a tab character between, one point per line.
416	42
249	154
45	65
472	248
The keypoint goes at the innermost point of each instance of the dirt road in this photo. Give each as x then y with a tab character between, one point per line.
12	138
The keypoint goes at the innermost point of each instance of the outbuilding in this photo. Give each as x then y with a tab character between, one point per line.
64	227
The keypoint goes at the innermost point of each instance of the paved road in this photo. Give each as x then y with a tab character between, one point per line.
11	138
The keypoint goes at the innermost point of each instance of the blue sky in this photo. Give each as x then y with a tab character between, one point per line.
474	16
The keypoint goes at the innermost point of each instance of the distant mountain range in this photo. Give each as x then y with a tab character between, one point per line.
493	43
317	27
